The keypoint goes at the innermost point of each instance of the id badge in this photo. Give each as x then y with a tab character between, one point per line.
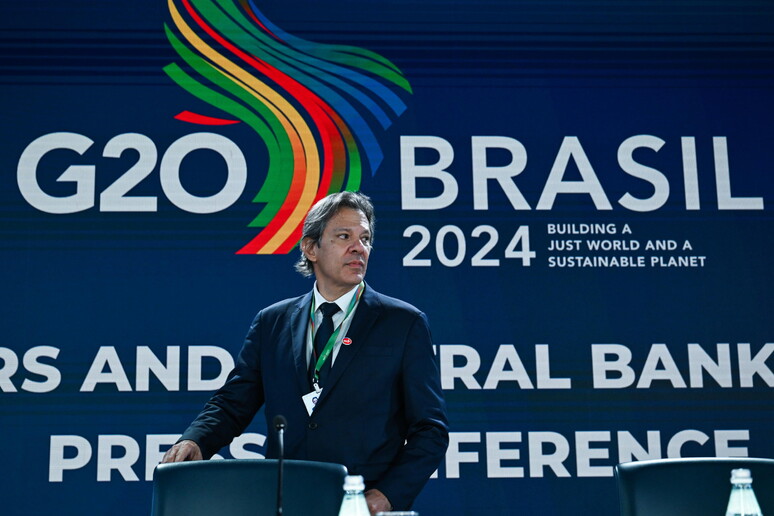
310	400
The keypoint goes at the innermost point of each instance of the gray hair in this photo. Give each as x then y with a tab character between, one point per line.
322	212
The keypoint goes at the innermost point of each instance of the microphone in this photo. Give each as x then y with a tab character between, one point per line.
279	425
280	422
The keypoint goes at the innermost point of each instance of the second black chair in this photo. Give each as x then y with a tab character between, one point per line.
689	487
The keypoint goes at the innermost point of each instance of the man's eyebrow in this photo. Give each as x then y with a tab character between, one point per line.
349	229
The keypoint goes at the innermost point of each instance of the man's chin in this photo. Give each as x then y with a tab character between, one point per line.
356	277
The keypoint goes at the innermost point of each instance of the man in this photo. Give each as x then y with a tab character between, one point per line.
351	370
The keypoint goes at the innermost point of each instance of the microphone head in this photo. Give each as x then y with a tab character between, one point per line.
280	422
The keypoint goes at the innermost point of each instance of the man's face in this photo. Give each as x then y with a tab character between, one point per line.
341	258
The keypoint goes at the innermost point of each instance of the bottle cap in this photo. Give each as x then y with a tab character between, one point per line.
741	476
354	483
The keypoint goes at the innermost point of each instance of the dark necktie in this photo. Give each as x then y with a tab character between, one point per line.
321	338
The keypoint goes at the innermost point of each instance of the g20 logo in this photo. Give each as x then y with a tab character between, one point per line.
117	196
317	109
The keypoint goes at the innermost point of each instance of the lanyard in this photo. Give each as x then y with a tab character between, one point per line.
328	349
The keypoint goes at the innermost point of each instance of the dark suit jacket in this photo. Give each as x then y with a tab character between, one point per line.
381	412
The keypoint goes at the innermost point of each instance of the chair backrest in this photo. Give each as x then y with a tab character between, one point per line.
247	487
689	487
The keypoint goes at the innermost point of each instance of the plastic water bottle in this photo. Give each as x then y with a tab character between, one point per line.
354	503
742	501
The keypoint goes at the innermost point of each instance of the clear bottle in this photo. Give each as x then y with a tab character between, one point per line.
742	501
354	503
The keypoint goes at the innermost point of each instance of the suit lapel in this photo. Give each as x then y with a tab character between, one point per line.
367	312
299	324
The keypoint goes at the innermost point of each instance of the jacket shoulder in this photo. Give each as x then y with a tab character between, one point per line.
395	304
283	308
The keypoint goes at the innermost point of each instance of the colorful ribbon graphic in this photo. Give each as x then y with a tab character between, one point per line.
314	106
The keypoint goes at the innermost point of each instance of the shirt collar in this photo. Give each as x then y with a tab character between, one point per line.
342	301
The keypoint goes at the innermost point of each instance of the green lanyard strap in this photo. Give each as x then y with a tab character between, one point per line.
328	349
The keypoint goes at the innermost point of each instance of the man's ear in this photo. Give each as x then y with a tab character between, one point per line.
309	248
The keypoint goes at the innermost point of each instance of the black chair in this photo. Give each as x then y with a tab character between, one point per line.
689	487
247	487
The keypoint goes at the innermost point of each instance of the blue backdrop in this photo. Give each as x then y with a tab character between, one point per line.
577	194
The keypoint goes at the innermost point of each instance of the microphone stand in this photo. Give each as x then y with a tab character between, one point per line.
279	424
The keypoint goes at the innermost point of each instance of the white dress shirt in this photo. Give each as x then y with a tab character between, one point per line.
339	318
